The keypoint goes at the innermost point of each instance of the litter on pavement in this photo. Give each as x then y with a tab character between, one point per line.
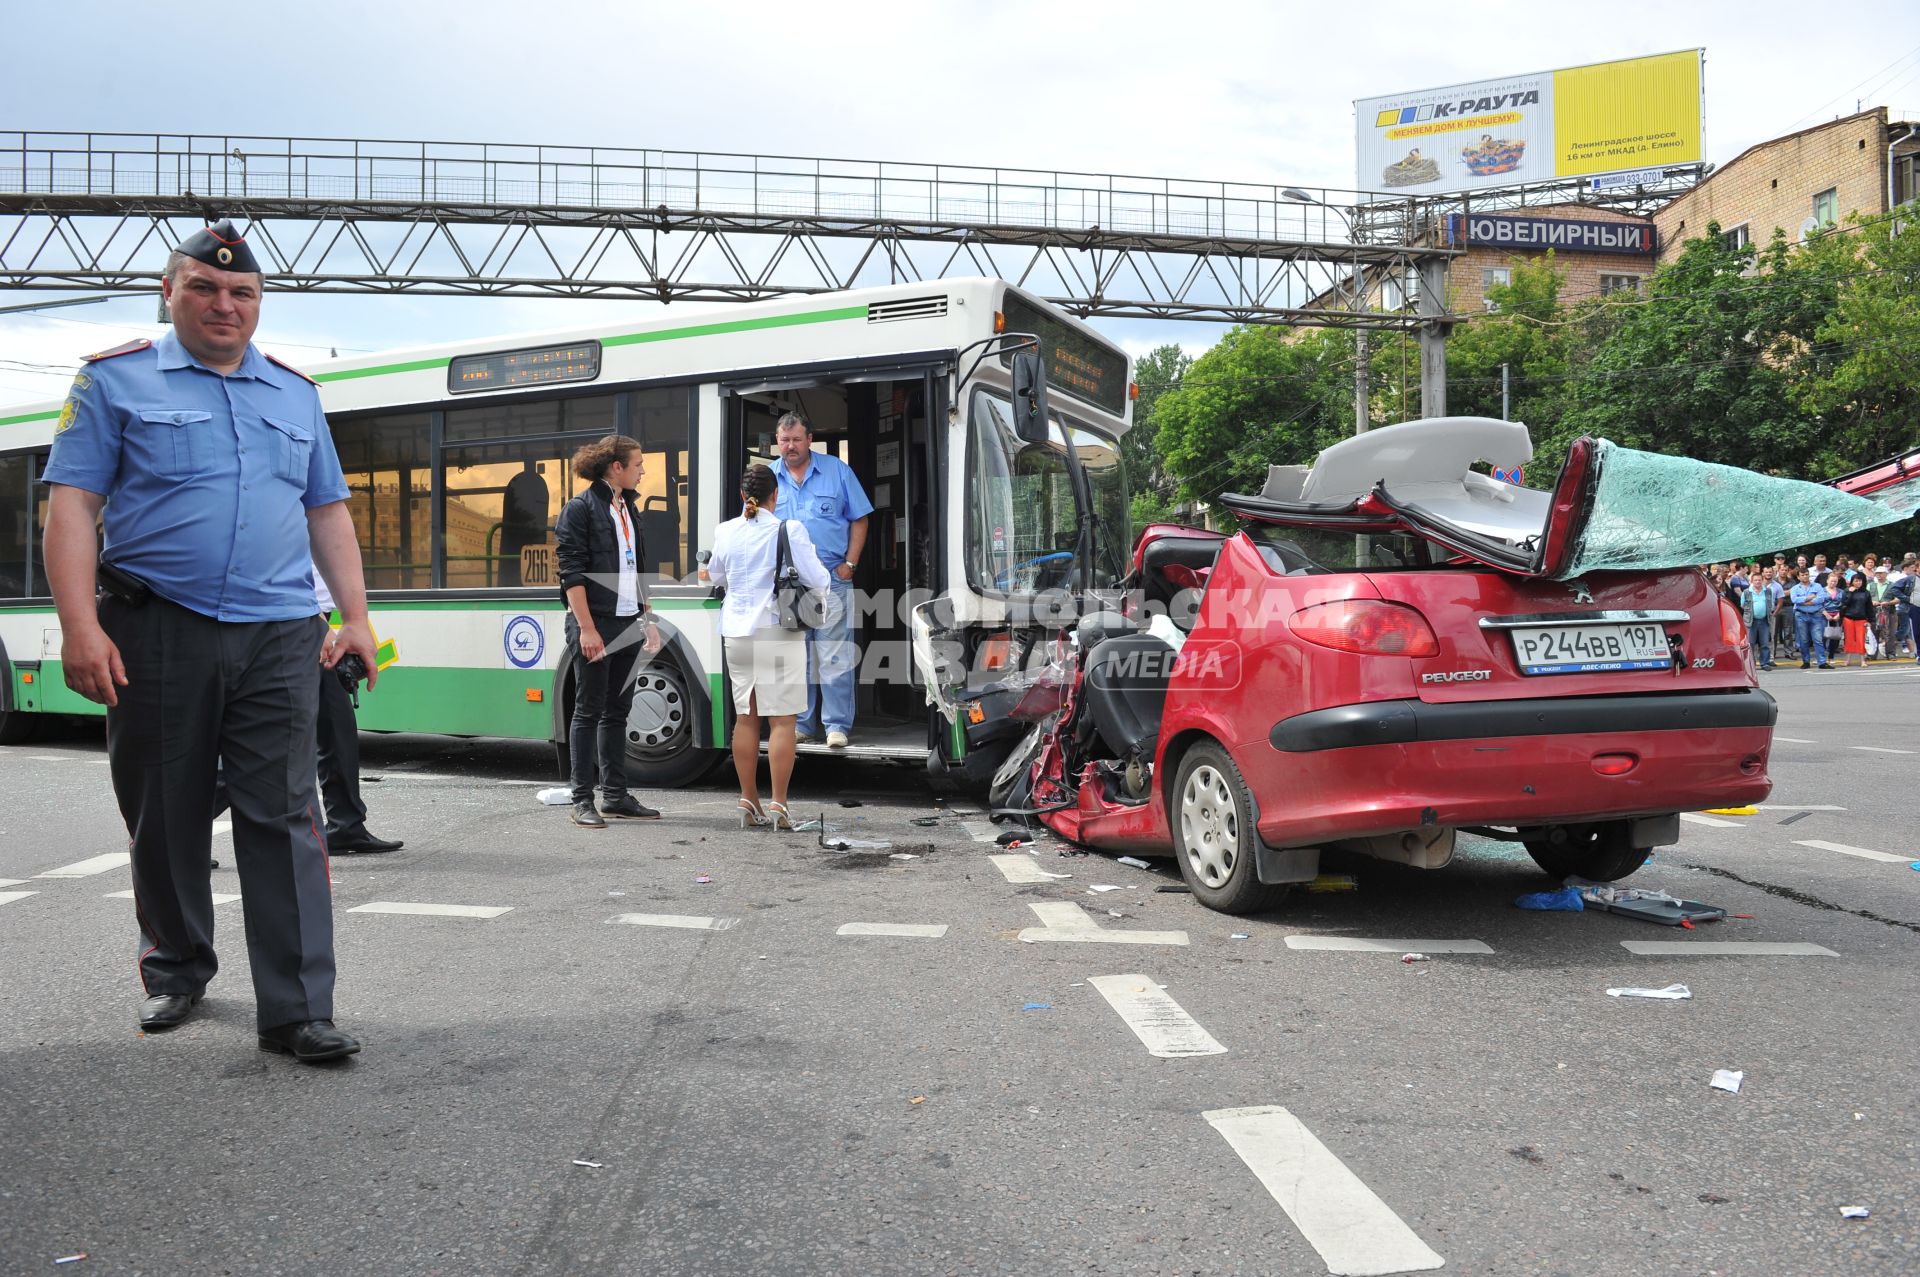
904	855
703	878
1565	900
1846	1212
583	1162
1727	1080
1038	1006
1413	957
1103	886
1334	882
1239	935
815	826
1135	861
855	844
559	797
1672	993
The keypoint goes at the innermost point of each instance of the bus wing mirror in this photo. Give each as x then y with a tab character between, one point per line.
1029	397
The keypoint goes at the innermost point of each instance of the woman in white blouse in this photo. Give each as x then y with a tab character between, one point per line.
766	664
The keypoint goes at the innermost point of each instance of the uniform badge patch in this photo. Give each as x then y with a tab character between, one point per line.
67	413
82	383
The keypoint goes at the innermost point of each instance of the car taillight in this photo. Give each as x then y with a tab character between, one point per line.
1368	627
1733	630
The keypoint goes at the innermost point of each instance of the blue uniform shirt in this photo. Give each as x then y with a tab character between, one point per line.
827	500
208	479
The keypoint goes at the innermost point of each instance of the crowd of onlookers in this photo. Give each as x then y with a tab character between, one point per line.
1857	611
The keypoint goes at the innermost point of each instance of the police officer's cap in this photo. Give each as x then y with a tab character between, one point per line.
221	247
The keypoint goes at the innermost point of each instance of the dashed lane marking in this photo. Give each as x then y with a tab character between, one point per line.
1357	944
1794	740
678	921
1879	749
53	758
1795	807
1160	1023
219	897
1845	850
1023	869
8	897
1355	1232
437	911
88	868
899	930
1695	818
1066	922
12	882
980	830
1725	948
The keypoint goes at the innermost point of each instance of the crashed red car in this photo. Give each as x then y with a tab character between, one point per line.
1384	659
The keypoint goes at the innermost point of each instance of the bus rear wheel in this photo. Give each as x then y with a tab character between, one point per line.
17	728
660	749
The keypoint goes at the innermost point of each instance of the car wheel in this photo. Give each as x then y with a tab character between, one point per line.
1213	834
660	749
1598	853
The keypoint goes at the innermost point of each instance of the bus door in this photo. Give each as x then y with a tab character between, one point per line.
881	423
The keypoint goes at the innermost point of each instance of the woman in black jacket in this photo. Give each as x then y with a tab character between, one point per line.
608	623
1856	611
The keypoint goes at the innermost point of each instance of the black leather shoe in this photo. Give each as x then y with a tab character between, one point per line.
628	808
309	1041
166	1010
584	814
362	843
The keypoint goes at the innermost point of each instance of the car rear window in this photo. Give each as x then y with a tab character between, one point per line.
1312	551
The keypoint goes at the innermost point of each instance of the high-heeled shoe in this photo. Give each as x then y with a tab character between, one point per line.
751	816
779	818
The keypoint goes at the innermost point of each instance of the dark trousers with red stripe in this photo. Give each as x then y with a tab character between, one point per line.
204	696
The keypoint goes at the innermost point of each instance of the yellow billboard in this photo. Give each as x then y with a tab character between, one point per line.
1608	117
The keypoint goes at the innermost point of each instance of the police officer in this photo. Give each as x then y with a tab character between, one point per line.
216	476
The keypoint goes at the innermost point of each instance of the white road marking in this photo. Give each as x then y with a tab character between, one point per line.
8	897
1734	948
52	758
1017	868
1795	740
11	882
1355	944
1155	1018
438	911
1795	807
1695	818
1845	850
222	827
980	830
219	897
88	868
902	930
1879	749
1356	1233
684	922
1066	922
392	775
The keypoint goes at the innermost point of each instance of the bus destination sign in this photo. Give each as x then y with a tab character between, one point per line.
504	370
1076	363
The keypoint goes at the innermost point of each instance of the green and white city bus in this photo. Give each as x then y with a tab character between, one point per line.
457	459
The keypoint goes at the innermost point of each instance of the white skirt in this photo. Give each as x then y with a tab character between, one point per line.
771	665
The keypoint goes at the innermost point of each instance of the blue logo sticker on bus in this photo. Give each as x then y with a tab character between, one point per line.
525	641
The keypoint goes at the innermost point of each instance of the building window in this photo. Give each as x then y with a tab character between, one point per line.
1496	275
1904	173
1826	206
1620	284
1737	238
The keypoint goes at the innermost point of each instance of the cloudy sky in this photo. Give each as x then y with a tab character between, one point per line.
1235	91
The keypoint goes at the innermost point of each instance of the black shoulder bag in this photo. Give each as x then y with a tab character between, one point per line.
799	607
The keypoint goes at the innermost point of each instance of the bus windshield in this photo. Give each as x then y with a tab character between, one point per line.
1022	520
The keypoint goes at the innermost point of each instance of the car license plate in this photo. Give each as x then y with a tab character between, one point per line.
1591	649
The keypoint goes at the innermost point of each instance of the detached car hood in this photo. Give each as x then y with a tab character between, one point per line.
1610	509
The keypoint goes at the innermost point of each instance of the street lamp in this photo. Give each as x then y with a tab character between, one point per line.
1362	346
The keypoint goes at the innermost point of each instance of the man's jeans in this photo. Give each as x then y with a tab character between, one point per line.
832	659
1761	635
1810	634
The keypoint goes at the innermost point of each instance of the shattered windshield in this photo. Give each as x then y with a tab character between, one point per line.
1652	511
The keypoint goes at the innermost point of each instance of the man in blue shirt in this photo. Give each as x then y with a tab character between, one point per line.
821	492
1809	618
212	469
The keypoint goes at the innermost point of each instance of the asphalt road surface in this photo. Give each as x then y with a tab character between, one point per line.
651	1050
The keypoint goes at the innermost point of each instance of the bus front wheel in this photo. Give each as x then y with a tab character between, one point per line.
660	749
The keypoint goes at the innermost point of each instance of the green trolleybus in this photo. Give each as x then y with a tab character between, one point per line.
457	460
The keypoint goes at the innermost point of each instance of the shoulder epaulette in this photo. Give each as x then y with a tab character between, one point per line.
140	343
290	368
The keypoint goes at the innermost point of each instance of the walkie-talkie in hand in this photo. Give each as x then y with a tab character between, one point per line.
351	671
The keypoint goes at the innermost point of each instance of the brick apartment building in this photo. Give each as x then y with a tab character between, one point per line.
1596	250
1860	163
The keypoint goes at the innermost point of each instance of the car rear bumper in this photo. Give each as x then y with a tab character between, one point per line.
1683	758
1409	721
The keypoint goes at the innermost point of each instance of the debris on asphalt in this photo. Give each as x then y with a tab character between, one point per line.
817	825
583	1162
1135	861
1732	811
1239	935
1012	838
918	1099
1103	886
1846	1212
1651	906
1038	1006
1728	1080
1334	882
1413	957
703	878
904	855
851	802
1115	913
559	796
1565	900
71	1259
1672	993
616	893
1175	889
855	844
926	821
